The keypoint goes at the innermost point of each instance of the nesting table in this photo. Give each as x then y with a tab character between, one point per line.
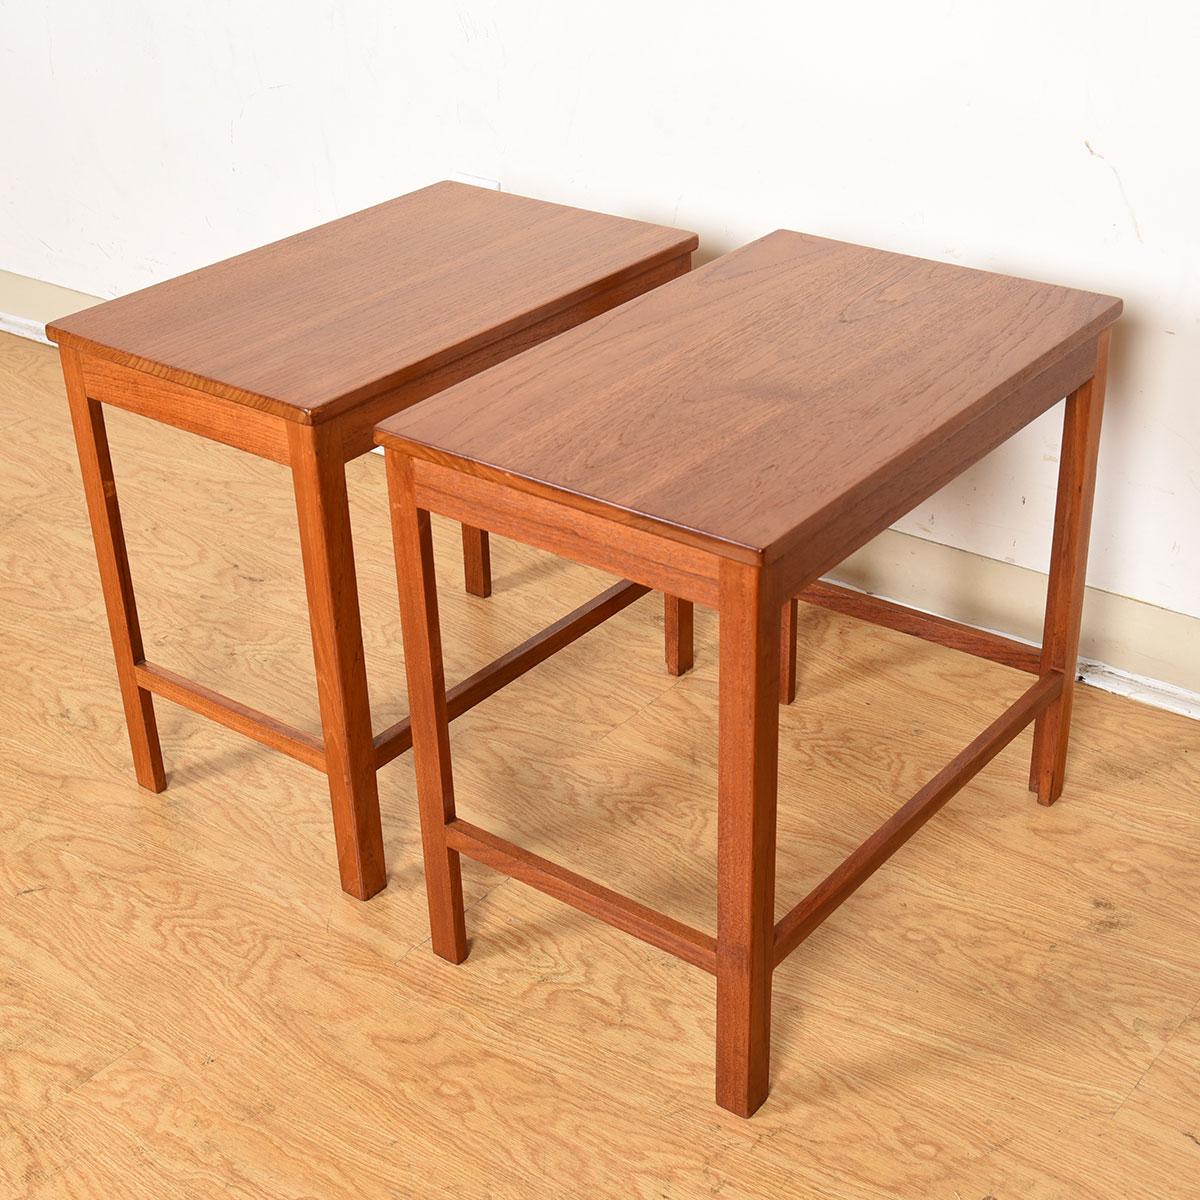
727	439
293	352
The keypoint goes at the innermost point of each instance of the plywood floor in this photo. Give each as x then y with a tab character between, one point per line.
190	1007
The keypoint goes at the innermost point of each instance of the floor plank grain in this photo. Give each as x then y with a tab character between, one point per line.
1010	1008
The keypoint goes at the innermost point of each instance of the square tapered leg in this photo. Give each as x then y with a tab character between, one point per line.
104	512
747	782
330	582
1068	571
427	704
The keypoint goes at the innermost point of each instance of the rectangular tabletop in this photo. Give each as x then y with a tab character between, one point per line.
309	326
754	403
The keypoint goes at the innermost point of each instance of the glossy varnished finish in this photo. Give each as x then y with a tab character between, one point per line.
749	404
292	352
724	440
310	326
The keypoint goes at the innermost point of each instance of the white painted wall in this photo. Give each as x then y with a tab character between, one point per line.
1051	139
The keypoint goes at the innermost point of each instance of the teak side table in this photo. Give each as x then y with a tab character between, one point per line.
727	439
293	352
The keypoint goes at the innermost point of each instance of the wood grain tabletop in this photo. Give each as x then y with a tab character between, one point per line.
313	324
754	398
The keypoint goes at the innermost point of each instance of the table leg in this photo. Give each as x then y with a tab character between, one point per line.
747	780
1068	570
787	651
319	479
679	623
477	561
430	723
100	491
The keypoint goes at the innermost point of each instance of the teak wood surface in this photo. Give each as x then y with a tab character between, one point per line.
748	406
292	352
1011	1007
312	325
725	439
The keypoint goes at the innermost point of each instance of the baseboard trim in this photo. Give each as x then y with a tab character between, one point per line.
1137	687
25	327
1154	692
27	304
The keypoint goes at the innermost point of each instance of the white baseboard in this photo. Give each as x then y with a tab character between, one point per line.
25	327
1137	687
1121	636
1134	649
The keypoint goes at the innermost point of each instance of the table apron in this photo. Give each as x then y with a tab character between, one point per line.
201	413
657	562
